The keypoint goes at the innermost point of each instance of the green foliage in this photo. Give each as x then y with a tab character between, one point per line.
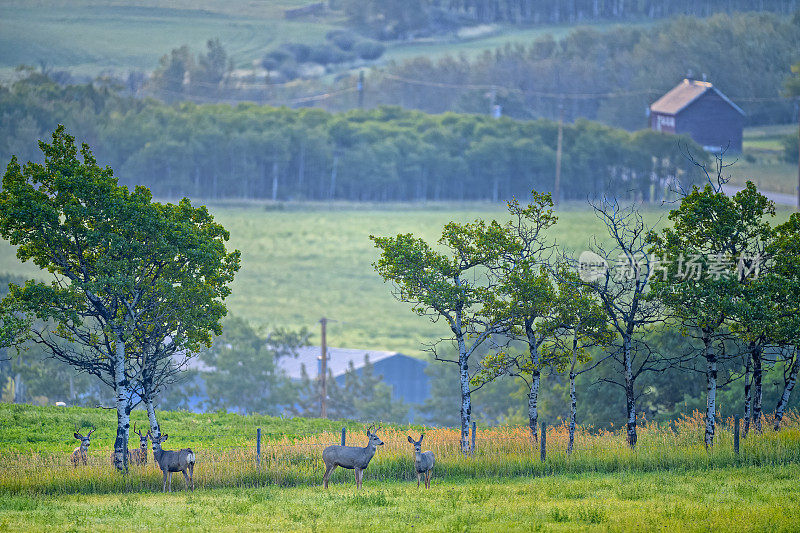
134	281
243	374
255	152
746	55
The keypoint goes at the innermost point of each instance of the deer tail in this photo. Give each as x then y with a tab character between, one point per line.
190	457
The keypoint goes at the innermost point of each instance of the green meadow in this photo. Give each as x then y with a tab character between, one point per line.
92	37
307	261
301	262
731	499
669	482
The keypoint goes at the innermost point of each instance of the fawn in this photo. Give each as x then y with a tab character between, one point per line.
423	461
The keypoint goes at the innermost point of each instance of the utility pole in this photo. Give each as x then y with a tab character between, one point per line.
557	186
361	89
798	153
323	397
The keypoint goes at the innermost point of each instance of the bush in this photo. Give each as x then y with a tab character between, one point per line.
273	60
300	52
344	40
324	55
369	50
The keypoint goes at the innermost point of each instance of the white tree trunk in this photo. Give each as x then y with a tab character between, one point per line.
755	352
630	398
787	393
466	405
533	394
747	396
123	402
711	386
573	402
155	429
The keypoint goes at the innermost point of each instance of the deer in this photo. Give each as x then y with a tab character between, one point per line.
423	461
351	457
79	453
139	455
173	461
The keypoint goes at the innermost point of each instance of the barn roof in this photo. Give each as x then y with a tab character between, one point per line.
684	94
338	360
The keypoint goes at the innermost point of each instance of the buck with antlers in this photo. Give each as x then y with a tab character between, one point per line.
350	457
423	461
173	461
79	453
137	456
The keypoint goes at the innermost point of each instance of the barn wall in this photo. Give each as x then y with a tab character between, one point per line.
711	121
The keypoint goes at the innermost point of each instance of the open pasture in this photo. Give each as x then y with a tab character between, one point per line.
303	262
669	481
729	499
91	37
35	456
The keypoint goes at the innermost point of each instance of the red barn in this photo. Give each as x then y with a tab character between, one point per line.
700	110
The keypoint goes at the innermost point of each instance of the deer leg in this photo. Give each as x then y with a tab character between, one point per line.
417	479
327	476
191	475
428	479
358	477
164	486
185	478
170	481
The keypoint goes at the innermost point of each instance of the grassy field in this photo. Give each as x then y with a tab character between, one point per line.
90	37
670	481
305	262
730	499
762	163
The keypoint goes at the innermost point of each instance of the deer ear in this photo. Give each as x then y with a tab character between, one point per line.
78	436
410	440
422	436
164	437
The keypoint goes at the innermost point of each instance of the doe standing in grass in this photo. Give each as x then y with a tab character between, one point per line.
173	461
423	461
350	457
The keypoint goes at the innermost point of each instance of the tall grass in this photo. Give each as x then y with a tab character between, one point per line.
501	453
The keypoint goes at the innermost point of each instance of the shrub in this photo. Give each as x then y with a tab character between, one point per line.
300	52
273	60
344	40
369	50
325	55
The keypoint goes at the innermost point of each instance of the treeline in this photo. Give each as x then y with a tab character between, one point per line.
611	76
383	154
398	19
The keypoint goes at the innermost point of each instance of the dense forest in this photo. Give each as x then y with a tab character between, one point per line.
383	154
609	76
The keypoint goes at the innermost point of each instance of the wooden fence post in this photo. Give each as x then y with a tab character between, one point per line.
343	433
474	430
258	446
544	441
736	436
